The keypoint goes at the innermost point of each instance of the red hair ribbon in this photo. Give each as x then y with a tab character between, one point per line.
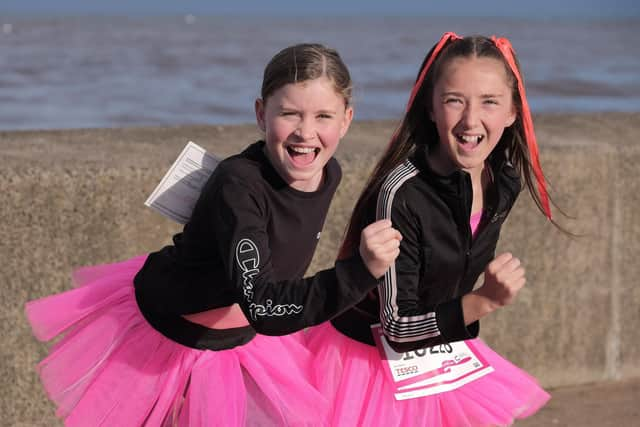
436	50
416	87
507	51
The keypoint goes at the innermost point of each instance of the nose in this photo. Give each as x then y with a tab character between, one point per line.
470	116
305	130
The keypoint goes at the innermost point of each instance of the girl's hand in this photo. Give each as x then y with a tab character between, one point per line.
379	246
503	279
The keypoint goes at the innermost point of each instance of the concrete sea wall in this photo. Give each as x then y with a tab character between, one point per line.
75	197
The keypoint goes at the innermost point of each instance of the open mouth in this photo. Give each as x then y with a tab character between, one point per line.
302	156
469	142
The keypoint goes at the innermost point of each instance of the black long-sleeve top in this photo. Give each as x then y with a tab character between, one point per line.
249	241
418	303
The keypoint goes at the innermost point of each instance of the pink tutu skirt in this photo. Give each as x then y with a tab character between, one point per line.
111	368
351	375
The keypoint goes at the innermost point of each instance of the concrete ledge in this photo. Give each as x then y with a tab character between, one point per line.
73	198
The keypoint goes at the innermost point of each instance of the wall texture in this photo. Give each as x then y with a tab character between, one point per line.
73	198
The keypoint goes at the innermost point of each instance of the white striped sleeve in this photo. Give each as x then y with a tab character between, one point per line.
399	328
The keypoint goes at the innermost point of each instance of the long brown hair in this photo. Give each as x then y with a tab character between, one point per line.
416	129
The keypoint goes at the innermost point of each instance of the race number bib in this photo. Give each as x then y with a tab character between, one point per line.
430	370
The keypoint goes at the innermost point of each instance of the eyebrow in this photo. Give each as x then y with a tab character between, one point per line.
286	108
484	95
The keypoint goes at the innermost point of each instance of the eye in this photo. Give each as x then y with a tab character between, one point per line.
287	113
491	101
453	101
325	116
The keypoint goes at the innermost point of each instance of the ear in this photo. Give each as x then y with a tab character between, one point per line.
259	107
346	122
511	118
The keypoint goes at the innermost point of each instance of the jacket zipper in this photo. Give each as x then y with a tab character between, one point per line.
464	183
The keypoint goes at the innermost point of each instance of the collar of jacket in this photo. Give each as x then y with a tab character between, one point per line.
501	195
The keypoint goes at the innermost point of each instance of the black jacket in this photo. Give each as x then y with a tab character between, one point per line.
418	302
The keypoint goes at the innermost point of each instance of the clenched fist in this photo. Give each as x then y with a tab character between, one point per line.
379	246
503	279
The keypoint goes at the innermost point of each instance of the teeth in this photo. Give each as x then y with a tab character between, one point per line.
471	138
301	150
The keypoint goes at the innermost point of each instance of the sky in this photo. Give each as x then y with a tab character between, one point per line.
482	8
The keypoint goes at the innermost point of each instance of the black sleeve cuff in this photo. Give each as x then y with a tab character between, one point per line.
353	274
450	320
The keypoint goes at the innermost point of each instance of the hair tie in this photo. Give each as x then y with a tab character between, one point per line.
504	46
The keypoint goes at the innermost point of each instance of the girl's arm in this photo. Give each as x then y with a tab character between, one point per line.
279	306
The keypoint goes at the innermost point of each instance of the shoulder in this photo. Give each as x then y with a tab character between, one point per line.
398	181
397	189
509	182
233	178
399	178
249	162
242	169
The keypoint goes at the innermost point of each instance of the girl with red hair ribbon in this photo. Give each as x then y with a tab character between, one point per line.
409	354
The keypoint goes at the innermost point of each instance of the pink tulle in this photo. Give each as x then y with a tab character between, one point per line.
110	368
350	374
